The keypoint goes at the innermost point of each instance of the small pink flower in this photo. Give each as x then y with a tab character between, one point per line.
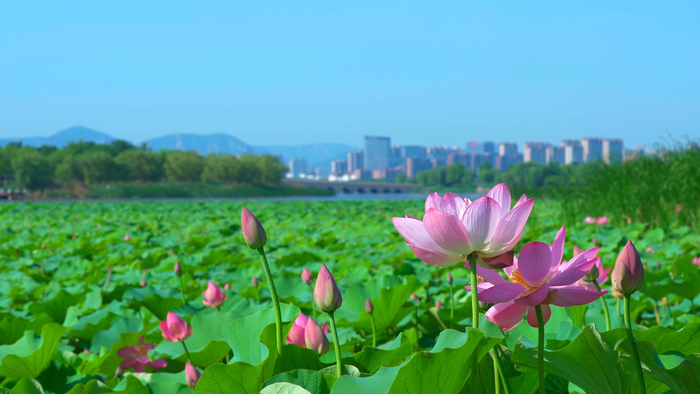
603	220
143	283
326	293
127	238
227	286
306	276
650	249
314	337
254	281
137	357
438	304
253	231
213	296
589	220
177	269
679	207
696	261
368	306
414	297
175	329
297	333
192	375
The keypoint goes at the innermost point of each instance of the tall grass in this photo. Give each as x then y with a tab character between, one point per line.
662	190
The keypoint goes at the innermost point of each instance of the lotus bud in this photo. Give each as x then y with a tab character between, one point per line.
438	304
191	375
253	232
296	333
127	238
414	297
326	293
315	338
628	274
324	327
118	372
589	220
227	286
43	246
254	281
658	265
143	283
178	269
213	296
449	278
368	306
306	276
650	249
592	275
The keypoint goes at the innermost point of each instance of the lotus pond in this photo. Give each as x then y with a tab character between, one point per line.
90	293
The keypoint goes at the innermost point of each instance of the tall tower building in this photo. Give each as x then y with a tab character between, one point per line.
573	151
592	149
507	148
355	160
612	150
535	152
556	154
377	152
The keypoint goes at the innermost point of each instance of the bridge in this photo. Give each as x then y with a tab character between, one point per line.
352	187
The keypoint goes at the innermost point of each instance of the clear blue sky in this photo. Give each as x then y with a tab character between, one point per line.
299	72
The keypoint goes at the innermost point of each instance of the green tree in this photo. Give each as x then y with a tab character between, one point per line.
97	167
250	171
401	178
140	165
183	166
272	169
221	168
68	171
33	170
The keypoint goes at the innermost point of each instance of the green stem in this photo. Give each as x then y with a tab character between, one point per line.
275	301
633	346
186	351
313	304
618	308
475	320
504	380
336	343
374	330
257	296
605	306
496	383
540	347
182	290
452	306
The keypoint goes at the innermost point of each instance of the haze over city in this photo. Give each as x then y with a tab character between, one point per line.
422	74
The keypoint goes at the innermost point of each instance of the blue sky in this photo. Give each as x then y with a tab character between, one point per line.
301	72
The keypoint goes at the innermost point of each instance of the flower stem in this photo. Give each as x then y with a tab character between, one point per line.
605	306
182	290
313	304
374	330
496	383
336	343
475	320
452	306
540	347
186	351
497	363
275	301
618	308
633	346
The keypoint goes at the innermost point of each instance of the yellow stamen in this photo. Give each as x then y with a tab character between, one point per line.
479	279
515	277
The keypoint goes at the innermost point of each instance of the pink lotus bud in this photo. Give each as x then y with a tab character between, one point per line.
315	338
438	304
175	329
227	286
213	296
696	261
324	327
75	237
178	269
86	351
326	293
254	282
253	231
306	276
143	283
628	274
658	265
589	220
414	297
118	372
449	278
43	246
602	220
296	333
191	375
679	207
127	238
368	306
650	249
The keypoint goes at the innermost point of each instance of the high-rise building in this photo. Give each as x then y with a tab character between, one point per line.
339	167
592	149
414	166
573	151
612	150
535	152
505	161
377	152
298	167
477	159
461	158
480	147
355	160
556	154
440	152
413	151
507	148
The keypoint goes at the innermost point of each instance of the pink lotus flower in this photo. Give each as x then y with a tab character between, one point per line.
175	329
628	274
227	286
438	304
192	375
679	207
253	231
213	296
254	281
589	220
177	269
650	249
306	276
368	306
127	238
696	261
297	332
143	283
137	357
537	277
314	337
453	228
603	220
326	293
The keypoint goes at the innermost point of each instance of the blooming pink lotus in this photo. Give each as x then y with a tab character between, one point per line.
137	357
297	332
602	272
175	329
603	220
453	228
214	297
696	261
192	375
537	277
589	220
127	238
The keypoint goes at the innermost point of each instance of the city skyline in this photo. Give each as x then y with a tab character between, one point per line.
437	73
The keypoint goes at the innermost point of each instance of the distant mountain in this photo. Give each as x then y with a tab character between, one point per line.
61	138
204	144
319	154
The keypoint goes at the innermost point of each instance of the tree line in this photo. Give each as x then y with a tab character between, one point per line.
120	161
